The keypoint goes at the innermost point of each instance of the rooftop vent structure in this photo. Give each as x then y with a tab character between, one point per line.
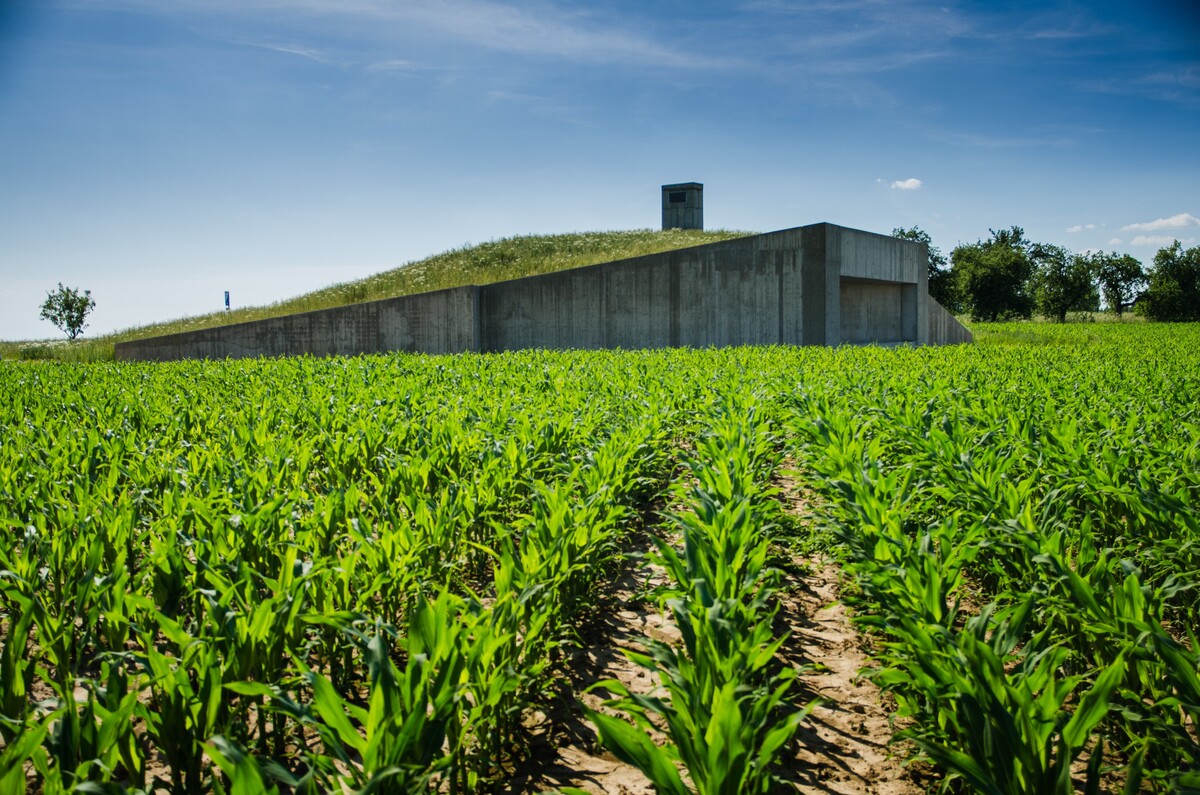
683	206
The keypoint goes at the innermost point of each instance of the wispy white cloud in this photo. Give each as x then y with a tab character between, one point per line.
1180	221
1159	240
540	106
545	30
877	63
1071	230
542	28
392	65
1059	34
874	18
985	141
1115	241
1179	85
1055	27
844	50
907	184
289	49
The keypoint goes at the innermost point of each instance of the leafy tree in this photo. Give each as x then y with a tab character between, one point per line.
1174	291
993	275
66	308
1120	276
942	287
1062	282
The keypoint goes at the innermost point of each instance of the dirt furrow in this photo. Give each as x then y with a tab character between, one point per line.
843	746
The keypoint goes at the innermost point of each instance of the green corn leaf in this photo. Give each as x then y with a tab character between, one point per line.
633	747
1187	783
329	706
1093	706
250	689
961	764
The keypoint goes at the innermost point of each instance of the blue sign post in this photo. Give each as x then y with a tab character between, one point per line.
226	300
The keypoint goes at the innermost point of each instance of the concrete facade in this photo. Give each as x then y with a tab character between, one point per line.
814	285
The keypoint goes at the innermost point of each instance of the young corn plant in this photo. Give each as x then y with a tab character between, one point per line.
18	665
409	737
187	702
1006	724
728	713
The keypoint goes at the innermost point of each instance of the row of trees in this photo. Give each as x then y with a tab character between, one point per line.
1008	276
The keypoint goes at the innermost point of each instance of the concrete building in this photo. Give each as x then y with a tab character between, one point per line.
813	285
683	206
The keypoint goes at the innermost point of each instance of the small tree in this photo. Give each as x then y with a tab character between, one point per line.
1174	291
1120	276
66	309
942	287
1063	282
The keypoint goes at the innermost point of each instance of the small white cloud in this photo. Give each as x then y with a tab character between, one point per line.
1158	240
1116	241
906	184
1181	221
1079	228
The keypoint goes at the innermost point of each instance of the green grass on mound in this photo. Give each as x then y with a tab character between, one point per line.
496	261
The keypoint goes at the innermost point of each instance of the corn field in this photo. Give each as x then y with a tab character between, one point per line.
365	575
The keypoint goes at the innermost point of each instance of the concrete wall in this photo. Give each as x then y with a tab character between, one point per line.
441	322
944	328
814	285
738	292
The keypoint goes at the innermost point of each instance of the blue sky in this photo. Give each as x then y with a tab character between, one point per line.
160	152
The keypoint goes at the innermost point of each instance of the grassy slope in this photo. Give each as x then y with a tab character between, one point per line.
499	260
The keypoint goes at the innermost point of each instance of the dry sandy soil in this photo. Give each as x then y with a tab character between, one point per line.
843	746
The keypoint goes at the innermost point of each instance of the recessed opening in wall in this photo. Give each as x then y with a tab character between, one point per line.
871	312
676	197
